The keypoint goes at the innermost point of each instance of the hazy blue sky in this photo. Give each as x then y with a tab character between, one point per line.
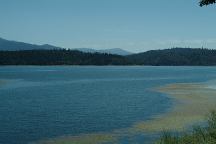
134	25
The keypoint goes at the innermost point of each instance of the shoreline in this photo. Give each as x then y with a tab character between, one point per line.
193	101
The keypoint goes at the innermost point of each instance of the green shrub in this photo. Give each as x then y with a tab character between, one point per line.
199	135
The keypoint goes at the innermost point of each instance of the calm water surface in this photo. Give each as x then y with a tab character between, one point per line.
38	103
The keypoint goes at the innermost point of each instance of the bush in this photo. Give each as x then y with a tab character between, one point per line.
199	135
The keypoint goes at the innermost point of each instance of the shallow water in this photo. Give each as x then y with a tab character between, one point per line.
38	103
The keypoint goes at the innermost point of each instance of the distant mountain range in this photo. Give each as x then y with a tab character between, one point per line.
14	45
117	51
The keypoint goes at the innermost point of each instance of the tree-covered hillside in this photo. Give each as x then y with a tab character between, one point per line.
175	57
166	57
58	57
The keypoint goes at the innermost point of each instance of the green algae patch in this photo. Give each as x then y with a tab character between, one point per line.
192	103
82	139
2	82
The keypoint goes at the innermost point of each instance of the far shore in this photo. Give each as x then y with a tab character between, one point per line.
112	65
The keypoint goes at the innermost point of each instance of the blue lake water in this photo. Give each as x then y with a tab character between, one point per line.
38	103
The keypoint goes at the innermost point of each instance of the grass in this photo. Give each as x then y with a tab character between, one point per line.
199	135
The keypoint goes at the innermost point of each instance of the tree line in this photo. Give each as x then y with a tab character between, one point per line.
166	57
58	57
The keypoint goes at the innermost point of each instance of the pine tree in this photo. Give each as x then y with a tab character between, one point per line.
206	2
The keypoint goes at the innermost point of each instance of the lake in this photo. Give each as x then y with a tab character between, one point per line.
46	102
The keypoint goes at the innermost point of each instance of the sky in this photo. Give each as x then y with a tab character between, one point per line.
133	25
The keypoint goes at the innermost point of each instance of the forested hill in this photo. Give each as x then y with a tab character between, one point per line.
167	57
175	57
59	57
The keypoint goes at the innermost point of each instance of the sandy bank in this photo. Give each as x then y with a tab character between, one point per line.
192	103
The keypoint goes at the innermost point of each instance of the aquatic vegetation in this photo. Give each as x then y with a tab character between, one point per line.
192	103
84	139
2	82
199	135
